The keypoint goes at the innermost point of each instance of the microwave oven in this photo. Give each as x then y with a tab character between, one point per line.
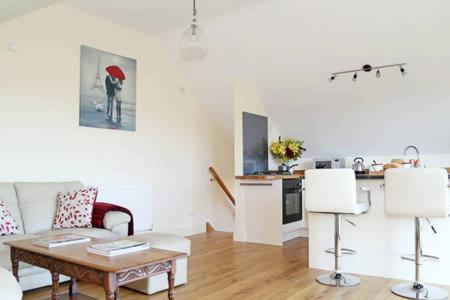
329	163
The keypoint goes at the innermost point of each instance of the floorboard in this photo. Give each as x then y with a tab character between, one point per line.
222	269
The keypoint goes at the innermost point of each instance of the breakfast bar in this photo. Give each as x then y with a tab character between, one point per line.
378	240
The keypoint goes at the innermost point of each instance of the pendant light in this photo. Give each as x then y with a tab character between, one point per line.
194	44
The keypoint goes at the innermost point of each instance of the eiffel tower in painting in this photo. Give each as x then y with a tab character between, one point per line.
98	84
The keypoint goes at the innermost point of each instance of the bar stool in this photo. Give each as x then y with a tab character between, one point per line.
333	191
417	193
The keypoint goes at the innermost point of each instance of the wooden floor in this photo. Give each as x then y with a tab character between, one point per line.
222	269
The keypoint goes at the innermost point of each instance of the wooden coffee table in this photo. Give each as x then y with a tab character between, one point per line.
75	262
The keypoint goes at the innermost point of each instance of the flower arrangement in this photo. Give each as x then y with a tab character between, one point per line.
287	150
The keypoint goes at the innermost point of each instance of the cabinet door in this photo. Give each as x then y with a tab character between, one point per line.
263	212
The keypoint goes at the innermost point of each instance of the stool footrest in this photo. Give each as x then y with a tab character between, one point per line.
412	257
343	251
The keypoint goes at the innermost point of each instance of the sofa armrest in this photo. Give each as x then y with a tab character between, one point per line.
114	218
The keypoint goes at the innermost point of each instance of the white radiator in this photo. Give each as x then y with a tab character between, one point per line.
134	197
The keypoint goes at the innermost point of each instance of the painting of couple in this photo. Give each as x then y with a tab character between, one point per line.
107	90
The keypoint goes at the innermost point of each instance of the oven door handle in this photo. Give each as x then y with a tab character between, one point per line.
296	190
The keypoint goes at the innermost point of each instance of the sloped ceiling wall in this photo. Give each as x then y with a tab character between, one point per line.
287	50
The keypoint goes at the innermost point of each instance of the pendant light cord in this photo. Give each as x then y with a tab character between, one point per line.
195	8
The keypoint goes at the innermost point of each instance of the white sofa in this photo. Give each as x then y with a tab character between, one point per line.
33	206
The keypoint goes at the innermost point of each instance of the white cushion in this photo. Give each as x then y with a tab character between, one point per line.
9	287
331	191
90	232
8	194
74	209
416	193
37	201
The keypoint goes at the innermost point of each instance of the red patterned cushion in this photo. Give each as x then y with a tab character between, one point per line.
74	210
7	223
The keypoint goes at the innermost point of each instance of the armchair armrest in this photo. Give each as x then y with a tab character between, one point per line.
366	190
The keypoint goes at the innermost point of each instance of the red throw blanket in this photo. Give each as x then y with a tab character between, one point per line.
100	210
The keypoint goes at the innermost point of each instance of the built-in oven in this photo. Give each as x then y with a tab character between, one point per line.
292	200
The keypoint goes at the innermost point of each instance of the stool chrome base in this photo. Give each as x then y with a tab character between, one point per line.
338	280
427	292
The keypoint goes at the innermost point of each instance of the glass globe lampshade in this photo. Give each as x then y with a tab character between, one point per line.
194	44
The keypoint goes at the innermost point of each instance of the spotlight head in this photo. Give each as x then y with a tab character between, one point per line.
402	70
355	76
378	74
333	77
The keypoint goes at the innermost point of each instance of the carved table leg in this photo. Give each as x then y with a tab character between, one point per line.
171	280
117	293
73	288
110	285
55	286
15	263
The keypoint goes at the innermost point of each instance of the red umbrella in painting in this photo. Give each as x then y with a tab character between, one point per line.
115	72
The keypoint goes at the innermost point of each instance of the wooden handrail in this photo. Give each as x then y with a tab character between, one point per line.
222	185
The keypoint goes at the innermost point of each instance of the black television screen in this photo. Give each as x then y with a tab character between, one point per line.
255	144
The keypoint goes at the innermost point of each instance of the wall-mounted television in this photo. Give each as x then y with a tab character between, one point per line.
255	143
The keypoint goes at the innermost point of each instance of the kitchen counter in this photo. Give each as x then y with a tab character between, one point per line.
269	177
301	174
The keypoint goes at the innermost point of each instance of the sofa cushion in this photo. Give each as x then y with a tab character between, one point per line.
90	232
8	224
8	194
74	209
14	237
37	201
5	258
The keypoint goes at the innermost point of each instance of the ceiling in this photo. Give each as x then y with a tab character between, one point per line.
287	50
12	8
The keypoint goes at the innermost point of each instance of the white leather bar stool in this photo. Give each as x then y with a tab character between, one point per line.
333	191
417	193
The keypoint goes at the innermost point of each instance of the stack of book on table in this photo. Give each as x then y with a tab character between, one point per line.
118	247
60	240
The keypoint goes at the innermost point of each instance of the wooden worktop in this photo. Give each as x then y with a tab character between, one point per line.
268	177
301	174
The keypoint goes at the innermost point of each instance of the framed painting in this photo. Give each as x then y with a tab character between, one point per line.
107	90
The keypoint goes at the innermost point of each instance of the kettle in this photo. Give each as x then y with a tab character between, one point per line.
358	165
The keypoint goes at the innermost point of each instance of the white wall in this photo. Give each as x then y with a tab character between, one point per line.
175	142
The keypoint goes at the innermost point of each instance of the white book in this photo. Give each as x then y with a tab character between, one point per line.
60	240
118	247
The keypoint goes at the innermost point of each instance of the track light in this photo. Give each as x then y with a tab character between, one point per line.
402	70
368	68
